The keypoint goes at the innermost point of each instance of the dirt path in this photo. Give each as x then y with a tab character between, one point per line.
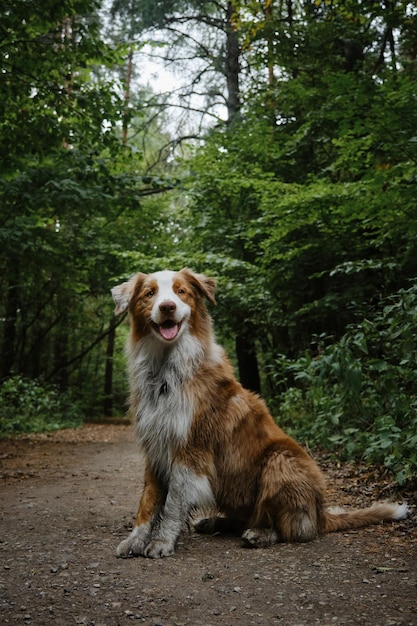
69	498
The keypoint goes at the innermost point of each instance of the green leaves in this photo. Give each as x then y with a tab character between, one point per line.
305	210
30	406
359	393
70	197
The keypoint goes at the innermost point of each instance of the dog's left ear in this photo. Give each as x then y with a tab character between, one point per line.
203	284
122	294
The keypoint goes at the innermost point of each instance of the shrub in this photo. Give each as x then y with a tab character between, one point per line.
360	394
29	406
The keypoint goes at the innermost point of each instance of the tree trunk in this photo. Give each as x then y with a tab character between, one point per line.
269	33
247	361
108	375
269	27
10	324
232	65
129	70
61	345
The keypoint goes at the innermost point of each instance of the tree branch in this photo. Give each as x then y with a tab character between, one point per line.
82	354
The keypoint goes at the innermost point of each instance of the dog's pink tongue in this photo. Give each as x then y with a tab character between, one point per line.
169	332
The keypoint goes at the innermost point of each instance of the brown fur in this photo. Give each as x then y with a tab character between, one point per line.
264	483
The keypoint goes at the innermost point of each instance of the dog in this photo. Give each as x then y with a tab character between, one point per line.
209	443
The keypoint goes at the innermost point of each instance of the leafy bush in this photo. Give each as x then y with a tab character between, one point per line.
360	394
29	406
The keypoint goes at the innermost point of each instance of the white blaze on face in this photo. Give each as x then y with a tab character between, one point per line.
169	312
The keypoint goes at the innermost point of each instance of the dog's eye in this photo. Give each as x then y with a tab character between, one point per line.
150	293
181	291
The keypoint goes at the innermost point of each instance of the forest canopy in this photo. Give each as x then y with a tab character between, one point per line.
281	159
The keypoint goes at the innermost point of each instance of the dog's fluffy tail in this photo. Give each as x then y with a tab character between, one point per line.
338	519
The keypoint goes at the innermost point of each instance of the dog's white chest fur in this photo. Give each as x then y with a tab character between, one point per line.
165	410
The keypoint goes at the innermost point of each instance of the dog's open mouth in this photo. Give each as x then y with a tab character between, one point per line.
168	329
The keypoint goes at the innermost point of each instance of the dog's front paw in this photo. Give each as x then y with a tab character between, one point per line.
134	545
158	548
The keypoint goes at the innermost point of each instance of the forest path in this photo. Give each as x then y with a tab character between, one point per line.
68	498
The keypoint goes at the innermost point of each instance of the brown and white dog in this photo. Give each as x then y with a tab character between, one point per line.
210	443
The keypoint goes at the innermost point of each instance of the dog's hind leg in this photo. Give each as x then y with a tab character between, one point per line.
259	537
288	504
284	519
219	525
252	537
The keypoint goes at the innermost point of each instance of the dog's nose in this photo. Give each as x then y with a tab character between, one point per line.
167	307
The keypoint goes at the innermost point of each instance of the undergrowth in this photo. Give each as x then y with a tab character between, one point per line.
359	395
27	405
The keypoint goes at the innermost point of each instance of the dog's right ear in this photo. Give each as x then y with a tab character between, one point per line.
123	293
121	296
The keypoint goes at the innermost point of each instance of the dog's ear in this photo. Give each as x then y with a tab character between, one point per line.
123	293
203	284
121	296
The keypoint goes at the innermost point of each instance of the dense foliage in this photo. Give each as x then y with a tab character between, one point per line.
358	393
70	199
28	406
302	202
313	192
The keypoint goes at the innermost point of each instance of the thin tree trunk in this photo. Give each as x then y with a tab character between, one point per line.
269	31
108	375
10	324
127	96
247	361
245	347
232	64
61	345
270	41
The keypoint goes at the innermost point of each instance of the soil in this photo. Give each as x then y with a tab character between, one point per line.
68	498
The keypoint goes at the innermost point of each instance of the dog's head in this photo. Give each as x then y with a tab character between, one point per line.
164	303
